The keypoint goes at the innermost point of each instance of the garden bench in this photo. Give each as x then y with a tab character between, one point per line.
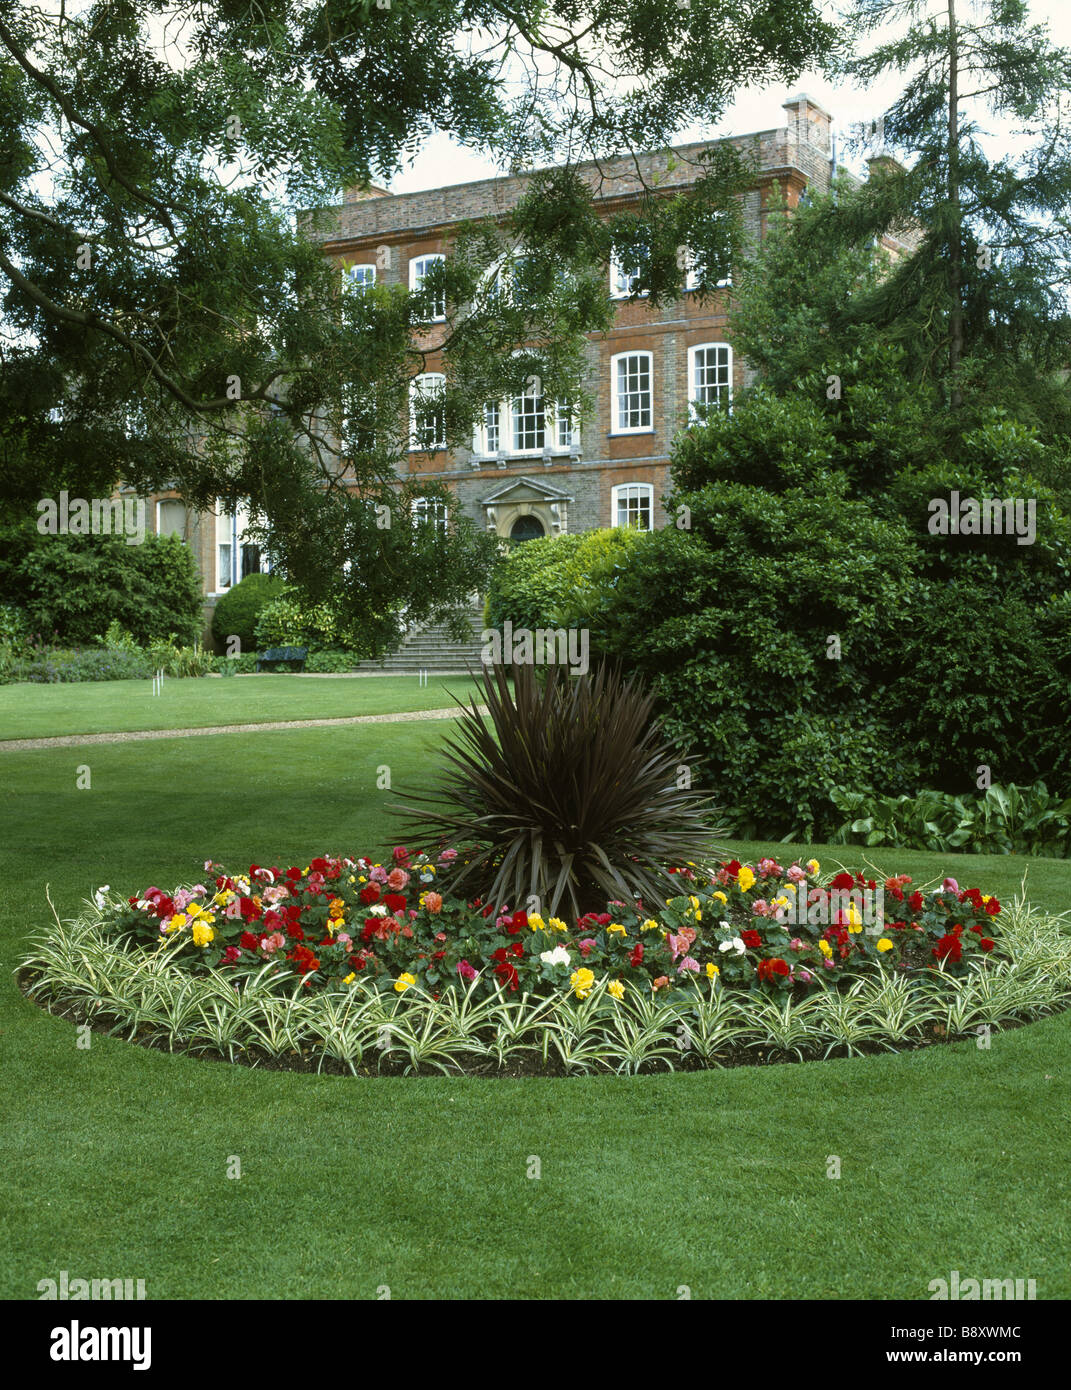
274	654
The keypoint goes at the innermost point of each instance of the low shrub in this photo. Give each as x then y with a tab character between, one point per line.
1002	820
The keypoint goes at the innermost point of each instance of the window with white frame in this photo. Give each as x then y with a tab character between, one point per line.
632	504
532	423
568	433
630	384
419	268
236	554
625	273
695	274
359	277
710	376
529	421
431	511
492	430
427	413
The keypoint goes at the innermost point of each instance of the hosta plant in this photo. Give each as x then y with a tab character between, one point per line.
570	795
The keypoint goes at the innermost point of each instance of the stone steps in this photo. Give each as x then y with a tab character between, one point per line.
431	649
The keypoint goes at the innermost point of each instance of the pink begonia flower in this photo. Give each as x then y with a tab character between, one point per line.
180	898
828	963
199	889
804	976
769	866
275	893
796	874
397	879
448	856
378	874
433	902
759	907
950	885
344	939
273	943
465	970
688	964
584	947
208	865
795	944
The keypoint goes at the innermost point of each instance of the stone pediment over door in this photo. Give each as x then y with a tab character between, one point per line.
522	507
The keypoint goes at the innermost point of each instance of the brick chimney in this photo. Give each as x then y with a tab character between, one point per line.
808	123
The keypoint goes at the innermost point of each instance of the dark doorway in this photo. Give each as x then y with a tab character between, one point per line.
526	528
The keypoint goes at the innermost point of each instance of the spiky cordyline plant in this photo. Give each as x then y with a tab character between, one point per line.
570	796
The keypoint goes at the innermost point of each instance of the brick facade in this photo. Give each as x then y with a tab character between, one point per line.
563	490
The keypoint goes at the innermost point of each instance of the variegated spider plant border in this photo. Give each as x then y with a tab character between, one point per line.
113	985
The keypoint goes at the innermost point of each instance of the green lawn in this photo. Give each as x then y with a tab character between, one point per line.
100	707
114	1159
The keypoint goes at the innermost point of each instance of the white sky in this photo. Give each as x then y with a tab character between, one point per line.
442	161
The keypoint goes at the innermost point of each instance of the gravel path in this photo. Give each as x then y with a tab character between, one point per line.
14	745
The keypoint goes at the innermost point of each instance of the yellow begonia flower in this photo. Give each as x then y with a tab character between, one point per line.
650	925
194	910
402	983
825	948
987	897
884	944
177	921
712	970
202	934
746	878
536	922
556	924
812	866
855	922
582	982
781	901
616	988
350	978
617	929
720	896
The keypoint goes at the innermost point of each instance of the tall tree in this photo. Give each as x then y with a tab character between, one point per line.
988	282
166	316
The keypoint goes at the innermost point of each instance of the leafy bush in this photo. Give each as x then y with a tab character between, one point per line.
560	581
572	793
289	621
806	631
74	586
1003	820
237	610
530	582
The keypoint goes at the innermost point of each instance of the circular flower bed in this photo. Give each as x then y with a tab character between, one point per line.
356	965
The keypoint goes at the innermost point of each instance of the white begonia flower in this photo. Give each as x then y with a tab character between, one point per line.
736	945
98	896
559	956
380	910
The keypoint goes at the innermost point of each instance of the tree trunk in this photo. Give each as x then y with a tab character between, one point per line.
955	249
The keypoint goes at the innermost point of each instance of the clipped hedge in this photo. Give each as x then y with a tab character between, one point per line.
237	611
